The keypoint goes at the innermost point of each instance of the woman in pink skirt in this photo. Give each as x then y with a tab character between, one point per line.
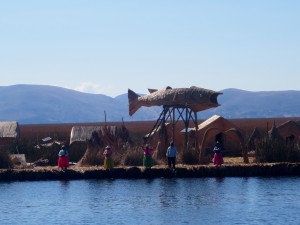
218	158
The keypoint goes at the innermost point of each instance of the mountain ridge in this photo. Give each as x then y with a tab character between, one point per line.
43	104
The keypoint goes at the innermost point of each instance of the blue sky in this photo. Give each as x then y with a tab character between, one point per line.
107	47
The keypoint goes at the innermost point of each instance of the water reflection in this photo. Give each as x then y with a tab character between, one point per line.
219	180
64	182
153	201
169	192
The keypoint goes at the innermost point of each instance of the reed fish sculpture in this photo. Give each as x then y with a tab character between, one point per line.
195	98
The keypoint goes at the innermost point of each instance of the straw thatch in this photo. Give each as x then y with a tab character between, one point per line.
9	133
103	135
216	125
195	98
9	129
96	137
215	121
18	159
254	137
288	129
84	133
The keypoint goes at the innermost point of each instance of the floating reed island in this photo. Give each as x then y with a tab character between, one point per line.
182	171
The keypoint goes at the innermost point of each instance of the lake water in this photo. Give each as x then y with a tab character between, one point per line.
157	201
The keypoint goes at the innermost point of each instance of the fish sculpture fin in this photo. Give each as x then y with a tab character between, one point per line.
152	90
133	102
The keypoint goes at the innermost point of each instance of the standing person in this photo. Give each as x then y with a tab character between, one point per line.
108	161
63	158
147	159
171	154
218	158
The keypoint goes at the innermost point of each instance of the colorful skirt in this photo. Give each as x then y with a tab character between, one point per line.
147	161
108	163
63	161
218	159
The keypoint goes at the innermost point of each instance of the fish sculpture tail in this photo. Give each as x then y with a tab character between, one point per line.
133	102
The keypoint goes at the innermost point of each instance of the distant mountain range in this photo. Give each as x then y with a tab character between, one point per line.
41	104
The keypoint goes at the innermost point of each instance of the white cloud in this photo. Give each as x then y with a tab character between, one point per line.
89	87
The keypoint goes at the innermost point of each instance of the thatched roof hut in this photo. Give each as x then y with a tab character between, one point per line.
83	133
107	134
215	121
9	132
289	129
95	138
9	129
217	127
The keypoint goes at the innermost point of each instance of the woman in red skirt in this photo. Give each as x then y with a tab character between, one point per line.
63	158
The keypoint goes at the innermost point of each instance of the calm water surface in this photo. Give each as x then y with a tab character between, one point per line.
157	201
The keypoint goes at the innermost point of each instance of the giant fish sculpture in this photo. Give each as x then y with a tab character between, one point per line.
195	98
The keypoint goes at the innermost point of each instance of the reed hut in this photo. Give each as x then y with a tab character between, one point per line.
108	135
95	138
9	133
217	128
290	131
